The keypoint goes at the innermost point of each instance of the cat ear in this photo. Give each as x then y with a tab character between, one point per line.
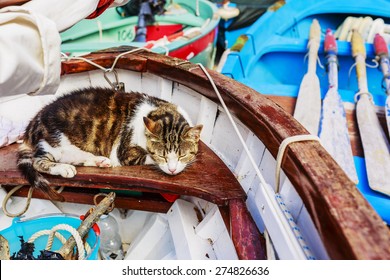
194	132
151	126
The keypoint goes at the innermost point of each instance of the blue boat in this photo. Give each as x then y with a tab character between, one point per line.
272	61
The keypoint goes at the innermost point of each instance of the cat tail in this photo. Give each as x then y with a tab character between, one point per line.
35	179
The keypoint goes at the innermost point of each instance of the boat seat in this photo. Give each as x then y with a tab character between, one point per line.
138	187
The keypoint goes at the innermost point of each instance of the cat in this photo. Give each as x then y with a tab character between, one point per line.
105	128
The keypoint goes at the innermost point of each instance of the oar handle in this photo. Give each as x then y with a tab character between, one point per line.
380	46
358	47
315	31
359	53
382	52
330	44
314	44
330	47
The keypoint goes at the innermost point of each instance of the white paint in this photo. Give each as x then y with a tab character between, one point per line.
206	116
137	124
153	242
165	89
185	115
213	228
182	221
188	100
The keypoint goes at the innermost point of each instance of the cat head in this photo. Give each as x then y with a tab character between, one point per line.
172	147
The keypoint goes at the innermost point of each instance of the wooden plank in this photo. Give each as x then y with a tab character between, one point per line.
183	219
213	228
249	243
153	242
145	202
207	178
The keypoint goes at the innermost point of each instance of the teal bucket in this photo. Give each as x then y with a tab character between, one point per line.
27	228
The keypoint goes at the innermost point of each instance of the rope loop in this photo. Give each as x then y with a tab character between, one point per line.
8	196
282	148
109	209
357	96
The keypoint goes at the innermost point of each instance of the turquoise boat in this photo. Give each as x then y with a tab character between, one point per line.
272	61
187	30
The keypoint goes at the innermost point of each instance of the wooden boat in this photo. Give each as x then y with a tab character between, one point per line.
227	205
187	30
277	43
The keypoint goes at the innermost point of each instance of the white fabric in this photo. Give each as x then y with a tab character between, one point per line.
30	57
66	13
29	53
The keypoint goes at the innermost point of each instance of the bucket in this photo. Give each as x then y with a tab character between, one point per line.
26	228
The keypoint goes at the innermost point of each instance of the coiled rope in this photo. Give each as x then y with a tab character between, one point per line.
83	250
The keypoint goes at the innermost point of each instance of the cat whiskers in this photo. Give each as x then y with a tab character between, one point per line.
191	162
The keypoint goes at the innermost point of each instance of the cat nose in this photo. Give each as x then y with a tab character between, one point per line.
172	169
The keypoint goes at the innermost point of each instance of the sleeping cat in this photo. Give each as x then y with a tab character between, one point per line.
104	128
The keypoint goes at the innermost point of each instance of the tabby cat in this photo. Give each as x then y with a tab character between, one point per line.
101	127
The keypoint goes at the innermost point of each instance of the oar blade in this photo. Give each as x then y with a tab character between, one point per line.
308	107
334	133
375	145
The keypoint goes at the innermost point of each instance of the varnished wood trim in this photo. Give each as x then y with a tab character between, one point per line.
249	243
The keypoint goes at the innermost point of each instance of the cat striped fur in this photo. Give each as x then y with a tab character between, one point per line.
105	128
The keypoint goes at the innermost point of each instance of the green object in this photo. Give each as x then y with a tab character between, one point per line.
112	30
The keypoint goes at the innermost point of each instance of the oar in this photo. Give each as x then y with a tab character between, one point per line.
308	106
382	52
375	145
334	129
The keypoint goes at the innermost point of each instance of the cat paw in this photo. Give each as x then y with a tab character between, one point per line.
103	162
98	161
64	170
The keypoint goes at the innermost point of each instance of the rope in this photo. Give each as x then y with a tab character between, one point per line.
83	250
28	200
8	196
286	213
258	172
358	94
297	231
110	69
282	148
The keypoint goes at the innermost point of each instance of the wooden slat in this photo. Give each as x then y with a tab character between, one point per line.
245	234
208	178
144	202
